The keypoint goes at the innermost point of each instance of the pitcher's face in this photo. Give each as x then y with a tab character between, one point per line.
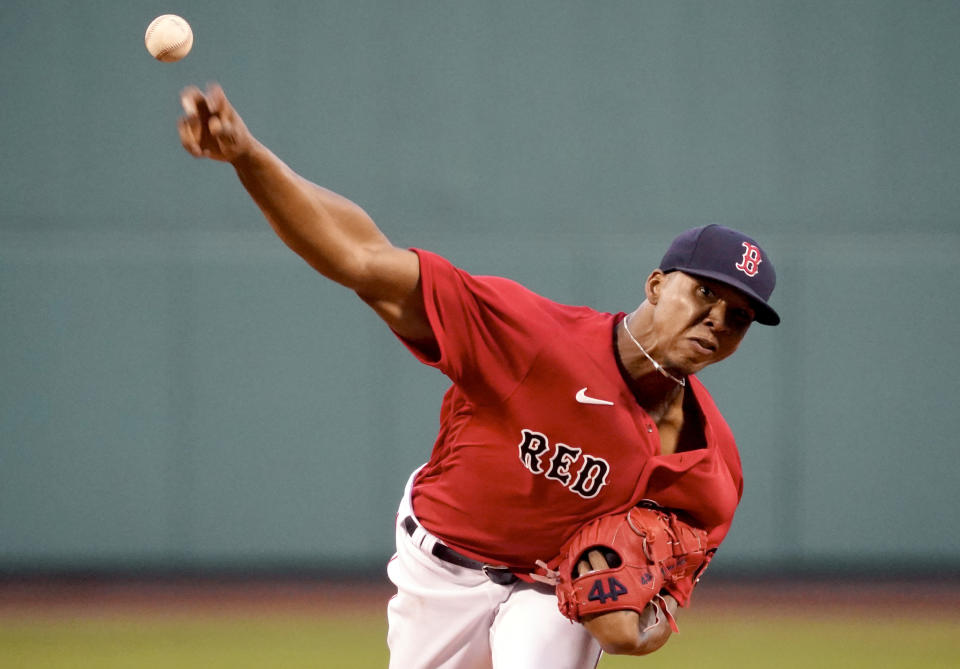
696	322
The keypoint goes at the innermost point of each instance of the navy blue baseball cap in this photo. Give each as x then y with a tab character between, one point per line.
730	257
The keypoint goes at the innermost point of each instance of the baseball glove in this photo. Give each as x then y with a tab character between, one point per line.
645	548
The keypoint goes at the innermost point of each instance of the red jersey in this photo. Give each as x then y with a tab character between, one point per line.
524	457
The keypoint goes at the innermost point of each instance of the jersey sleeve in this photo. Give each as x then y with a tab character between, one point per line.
719	494
485	328
683	590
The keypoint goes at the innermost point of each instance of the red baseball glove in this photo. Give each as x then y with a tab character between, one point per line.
645	548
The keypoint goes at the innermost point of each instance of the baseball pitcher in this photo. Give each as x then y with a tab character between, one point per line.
582	477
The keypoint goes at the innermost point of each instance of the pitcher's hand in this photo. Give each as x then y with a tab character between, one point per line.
626	632
211	127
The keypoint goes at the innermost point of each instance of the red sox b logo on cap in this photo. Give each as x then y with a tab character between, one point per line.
750	263
713	251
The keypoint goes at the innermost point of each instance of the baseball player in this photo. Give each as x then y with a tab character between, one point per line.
557	416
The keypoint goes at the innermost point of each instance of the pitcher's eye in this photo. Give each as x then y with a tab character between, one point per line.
741	317
705	291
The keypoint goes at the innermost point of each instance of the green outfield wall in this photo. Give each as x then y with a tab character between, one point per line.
180	391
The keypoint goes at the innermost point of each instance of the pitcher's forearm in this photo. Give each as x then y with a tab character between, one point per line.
334	235
330	232
627	632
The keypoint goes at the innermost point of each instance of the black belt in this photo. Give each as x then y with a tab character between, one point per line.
499	575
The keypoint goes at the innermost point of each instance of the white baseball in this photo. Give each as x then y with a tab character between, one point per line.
169	38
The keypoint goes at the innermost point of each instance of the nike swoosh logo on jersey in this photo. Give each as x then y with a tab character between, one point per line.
583	398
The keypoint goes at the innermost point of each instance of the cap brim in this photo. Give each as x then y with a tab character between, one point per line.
763	312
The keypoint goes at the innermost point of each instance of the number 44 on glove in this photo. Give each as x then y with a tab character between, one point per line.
646	549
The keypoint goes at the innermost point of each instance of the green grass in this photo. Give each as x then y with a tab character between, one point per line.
788	642
148	642
357	641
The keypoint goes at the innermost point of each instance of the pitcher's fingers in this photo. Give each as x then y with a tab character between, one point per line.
192	122
583	567
189	99
188	137
597	561
222	129
217	99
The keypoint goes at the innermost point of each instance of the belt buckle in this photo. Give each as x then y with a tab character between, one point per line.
499	575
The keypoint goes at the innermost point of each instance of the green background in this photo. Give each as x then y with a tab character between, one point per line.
179	391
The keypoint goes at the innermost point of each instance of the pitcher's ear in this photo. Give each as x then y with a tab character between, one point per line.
654	285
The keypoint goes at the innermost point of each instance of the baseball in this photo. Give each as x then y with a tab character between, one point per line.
169	38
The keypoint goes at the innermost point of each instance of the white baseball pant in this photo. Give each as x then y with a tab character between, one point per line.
446	616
